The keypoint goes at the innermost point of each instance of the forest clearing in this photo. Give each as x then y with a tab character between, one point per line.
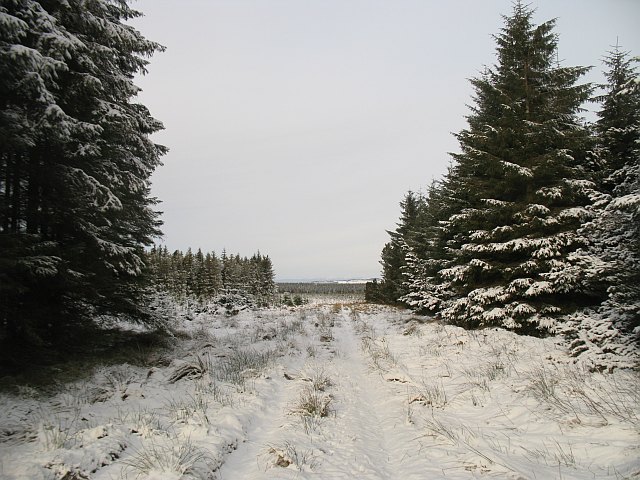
499	339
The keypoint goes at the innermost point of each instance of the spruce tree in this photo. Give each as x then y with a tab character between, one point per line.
199	274
393	255
262	283
609	265
213	275
429	252
520	186
75	162
618	125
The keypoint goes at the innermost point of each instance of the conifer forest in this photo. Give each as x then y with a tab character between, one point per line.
502	338
535	227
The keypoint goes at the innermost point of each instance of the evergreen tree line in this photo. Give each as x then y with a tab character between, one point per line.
535	226
205	276
322	288
75	162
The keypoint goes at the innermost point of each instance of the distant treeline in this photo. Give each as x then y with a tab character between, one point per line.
204	275
323	288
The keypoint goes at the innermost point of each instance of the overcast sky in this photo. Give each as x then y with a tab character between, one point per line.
297	126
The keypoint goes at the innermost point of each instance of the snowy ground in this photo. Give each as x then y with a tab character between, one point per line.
331	392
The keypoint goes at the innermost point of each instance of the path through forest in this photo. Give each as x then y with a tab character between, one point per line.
330	392
367	432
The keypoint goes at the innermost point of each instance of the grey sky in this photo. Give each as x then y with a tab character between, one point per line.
296	126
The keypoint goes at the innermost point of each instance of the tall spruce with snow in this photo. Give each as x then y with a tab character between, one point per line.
263	286
428	251
520	186
609	335
393	262
75	162
618	124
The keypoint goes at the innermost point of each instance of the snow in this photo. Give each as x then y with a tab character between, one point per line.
627	202
516	169
486	295
396	396
12	26
539	288
537	209
543	247
103	197
578	213
551	193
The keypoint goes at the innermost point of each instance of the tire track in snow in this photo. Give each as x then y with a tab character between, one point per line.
366	436
264	428
370	437
272	423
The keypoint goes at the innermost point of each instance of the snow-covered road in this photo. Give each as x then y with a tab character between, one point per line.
365	434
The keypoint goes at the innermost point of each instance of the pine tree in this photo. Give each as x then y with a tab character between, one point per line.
98	90
188	268
178	282
266	280
29	263
618	125
393	255
235	273
429	251
75	161
199	275
213	275
609	334
224	265
520	188
258	278
164	267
